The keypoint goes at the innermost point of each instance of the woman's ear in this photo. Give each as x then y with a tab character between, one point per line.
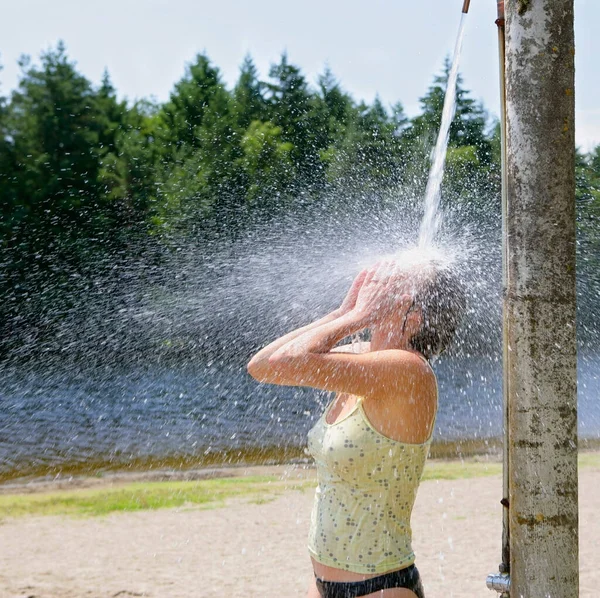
415	319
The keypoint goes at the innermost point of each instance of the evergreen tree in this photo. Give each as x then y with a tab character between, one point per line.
289	108
200	136
53	122
184	113
130	169
594	161
587	177
338	104
6	173
249	103
369	156
468	127
267	164
332	110
587	197
469	162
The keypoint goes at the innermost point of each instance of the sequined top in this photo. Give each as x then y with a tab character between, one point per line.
367	484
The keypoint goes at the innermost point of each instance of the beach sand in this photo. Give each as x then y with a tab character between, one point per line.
258	549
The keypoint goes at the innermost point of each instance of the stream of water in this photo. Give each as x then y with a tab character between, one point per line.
430	223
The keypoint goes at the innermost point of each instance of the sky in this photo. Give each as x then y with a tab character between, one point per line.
388	47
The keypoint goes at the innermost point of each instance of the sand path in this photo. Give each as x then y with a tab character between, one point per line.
258	550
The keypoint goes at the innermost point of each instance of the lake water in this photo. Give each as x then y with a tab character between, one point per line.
82	420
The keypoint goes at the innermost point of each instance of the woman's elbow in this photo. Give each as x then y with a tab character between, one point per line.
260	370
253	368
272	370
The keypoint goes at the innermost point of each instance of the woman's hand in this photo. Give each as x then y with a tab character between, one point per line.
350	300
382	292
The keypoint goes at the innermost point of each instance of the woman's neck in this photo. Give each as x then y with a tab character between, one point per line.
383	338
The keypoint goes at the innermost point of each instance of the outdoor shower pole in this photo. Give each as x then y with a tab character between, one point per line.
539	300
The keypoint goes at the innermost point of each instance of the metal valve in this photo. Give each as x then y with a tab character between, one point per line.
499	582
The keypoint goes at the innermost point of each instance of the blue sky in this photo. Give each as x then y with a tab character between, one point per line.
390	47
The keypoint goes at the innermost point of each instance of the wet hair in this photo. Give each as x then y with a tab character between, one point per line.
441	298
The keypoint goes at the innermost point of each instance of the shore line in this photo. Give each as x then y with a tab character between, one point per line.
264	461
292	472
209	458
211	464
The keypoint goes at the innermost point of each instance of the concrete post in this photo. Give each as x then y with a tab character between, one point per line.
540	299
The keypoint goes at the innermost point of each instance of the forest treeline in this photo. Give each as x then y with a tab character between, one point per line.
85	176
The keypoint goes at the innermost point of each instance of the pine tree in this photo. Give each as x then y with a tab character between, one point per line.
338	103
248	101
468	127
369	156
184	113
289	108
53	124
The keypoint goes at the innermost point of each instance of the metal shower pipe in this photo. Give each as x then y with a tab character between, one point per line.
501	582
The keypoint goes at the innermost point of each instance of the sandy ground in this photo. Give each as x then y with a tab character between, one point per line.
258	550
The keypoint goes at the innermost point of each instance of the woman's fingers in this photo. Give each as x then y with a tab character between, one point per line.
384	272
352	294
383	288
360	279
370	275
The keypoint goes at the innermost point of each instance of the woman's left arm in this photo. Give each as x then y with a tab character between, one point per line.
307	360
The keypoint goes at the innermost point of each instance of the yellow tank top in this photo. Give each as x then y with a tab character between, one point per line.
367	484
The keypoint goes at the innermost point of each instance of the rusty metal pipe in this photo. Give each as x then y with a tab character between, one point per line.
466	5
500	21
505	566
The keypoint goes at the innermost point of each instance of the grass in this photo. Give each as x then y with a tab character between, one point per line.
591	459
458	470
454	470
207	494
139	496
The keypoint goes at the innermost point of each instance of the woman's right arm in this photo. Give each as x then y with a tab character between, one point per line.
259	366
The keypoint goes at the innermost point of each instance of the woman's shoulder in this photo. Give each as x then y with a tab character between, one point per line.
409	376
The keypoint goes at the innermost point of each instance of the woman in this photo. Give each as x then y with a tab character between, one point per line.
371	443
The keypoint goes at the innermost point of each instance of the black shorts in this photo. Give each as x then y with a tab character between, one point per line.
408	578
